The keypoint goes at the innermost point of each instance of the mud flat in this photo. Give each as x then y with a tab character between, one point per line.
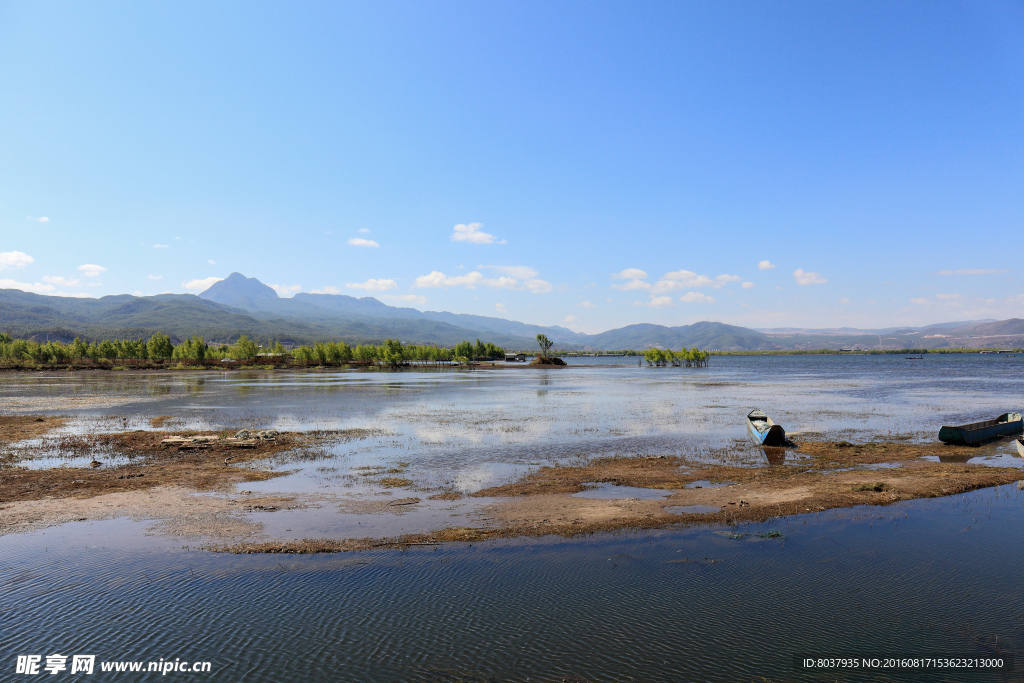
146	475
158	480
833	475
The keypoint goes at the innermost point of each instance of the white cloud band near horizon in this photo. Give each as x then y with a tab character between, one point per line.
92	270
373	285
474	279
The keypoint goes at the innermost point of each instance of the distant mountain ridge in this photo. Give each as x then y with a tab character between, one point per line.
241	305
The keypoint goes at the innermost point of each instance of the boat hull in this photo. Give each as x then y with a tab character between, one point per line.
1020	446
977	432
775	435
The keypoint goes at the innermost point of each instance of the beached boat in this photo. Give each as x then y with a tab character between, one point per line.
763	431
1020	445
976	432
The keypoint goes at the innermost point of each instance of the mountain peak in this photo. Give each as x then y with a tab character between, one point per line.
240	291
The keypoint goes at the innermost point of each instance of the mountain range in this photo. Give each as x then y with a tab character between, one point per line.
241	305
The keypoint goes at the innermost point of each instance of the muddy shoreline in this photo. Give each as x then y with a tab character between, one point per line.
167	481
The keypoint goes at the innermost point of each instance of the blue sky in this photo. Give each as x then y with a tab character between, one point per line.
587	164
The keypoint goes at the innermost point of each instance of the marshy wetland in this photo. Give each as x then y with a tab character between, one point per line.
601	521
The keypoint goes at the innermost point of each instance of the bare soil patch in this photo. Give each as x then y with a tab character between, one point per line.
22	427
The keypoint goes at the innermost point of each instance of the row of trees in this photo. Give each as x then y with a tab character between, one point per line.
195	350
691	358
392	353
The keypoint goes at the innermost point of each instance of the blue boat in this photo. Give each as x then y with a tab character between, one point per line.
976	432
763	430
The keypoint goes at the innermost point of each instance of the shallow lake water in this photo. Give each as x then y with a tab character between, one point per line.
925	577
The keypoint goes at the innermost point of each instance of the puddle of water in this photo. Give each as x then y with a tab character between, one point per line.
616	492
986	460
705	484
692	509
325	521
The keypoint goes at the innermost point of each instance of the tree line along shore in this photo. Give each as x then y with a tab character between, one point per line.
160	351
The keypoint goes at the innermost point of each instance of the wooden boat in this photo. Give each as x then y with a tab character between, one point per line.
763	430
976	432
1020	445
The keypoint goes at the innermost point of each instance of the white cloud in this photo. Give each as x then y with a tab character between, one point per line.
41	219
586	304
630	274
92	270
58	280
747	285
537	286
632	285
973	271
286	290
407	298
844	300
364	231
919	301
500	308
473	234
570	318
360	242
198	285
803	277
439	279
687	279
211	262
14	259
35	287
154	277
944	297
661	301
697	297
329	289
765	265
521	272
475	279
161	246
373	285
